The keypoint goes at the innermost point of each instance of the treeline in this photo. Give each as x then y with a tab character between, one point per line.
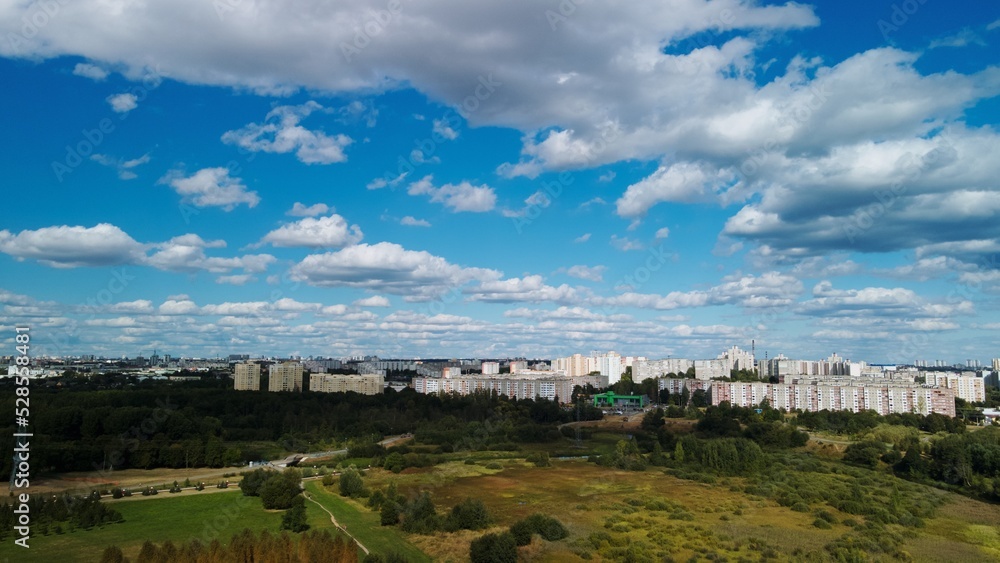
246	546
58	514
157	424
726	440
966	462
847	422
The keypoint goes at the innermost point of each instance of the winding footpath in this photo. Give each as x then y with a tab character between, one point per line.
334	520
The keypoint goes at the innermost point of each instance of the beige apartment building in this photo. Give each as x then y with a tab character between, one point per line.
285	377
246	377
337	383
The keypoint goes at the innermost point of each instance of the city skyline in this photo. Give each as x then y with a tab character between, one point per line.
441	180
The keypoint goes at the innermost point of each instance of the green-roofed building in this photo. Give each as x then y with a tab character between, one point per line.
612	399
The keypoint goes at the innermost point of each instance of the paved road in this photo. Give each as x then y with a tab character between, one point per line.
389	441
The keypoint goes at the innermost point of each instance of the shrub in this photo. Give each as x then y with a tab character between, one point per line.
522	532
494	465
540	459
822	524
865	454
470	514
394	462
494	548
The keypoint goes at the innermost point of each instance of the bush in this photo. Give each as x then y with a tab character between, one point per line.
547	527
494	465
394	462
470	514
865	454
522	532
822	524
494	548
540	459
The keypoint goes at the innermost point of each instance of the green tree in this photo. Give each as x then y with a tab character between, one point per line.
389	515
294	518
280	491
420	516
679	453
252	481
652	420
351	483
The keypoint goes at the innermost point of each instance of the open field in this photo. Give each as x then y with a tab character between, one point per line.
618	515
612	515
177	518
363	524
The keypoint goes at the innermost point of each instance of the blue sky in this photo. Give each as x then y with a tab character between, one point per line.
502	178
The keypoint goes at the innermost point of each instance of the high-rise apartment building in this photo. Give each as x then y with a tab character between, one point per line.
246	377
285	377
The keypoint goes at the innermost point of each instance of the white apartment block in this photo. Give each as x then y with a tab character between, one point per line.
491	368
651	369
814	396
610	365
451	372
710	369
285	377
575	365
967	386
246	377
676	386
724	364
373	384
782	367
546	385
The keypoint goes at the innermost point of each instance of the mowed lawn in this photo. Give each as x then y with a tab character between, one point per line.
219	515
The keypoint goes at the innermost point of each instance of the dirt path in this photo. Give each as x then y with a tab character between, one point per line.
334	520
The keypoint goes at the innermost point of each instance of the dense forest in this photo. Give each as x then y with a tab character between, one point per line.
159	424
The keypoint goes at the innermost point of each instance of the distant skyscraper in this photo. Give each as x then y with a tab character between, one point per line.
246	377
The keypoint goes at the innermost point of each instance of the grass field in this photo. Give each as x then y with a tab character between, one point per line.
650	516
611	515
364	525
164	517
